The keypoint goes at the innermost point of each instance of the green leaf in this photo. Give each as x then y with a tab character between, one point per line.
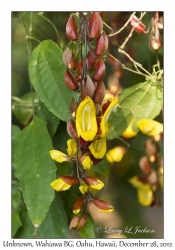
27	231
15	131
46	70
102	167
22	108
16	198
88	230
16	222
52	120
140	101
35	169
55	223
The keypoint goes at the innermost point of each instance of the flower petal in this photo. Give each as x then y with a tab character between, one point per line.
87	163
59	156
60	185
83	188
150	127
72	147
116	154
86	123
129	133
98	148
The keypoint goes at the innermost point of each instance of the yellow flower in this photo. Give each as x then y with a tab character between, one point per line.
144	192
64	183
86	162
72	147
150	127
108	105
129	133
94	183
83	188
98	148
116	154
86	123
59	156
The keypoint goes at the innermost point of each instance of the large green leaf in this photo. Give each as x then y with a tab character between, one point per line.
22	107
52	120
27	230
16	222
140	101
55	223
35	169
46	70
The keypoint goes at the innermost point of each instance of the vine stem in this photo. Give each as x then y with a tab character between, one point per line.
29	42
54	27
124	67
123	27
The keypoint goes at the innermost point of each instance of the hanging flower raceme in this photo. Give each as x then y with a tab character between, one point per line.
64	183
144	191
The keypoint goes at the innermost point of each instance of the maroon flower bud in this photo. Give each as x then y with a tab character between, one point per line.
101	44
91	60
71	129
144	165
74	222
138	25
69	59
99	93
70	80
79	70
88	87
78	206
71	29
103	205
83	143
99	70
73	107
95	25
82	222
70	180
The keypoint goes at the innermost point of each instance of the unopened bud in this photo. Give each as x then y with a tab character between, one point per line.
138	25
103	205
101	44
99	70
71	129
78	206
69	59
99	93
82	222
74	222
71	29
144	165
69	180
95	25
91	60
70	80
